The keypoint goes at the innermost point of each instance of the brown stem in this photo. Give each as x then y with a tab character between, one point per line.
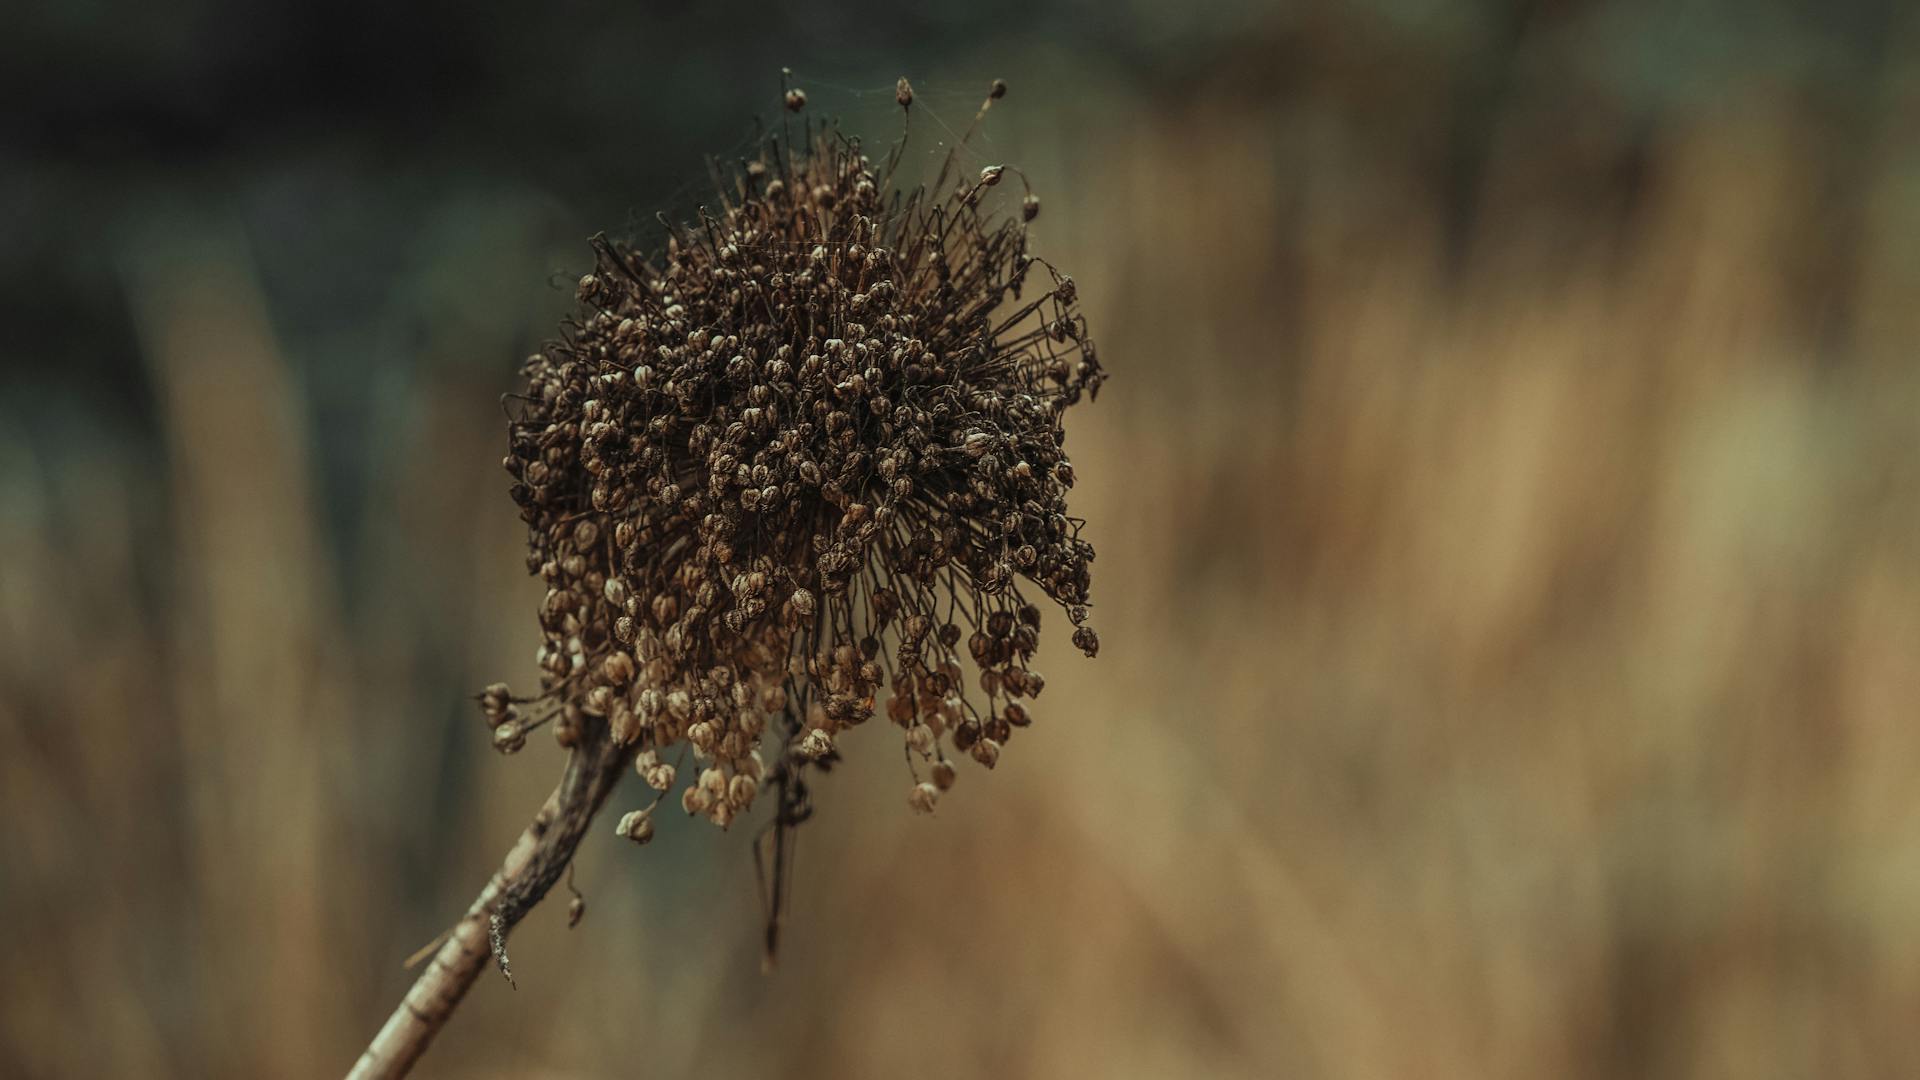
531	867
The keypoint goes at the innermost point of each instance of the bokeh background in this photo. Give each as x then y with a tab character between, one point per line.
1507	501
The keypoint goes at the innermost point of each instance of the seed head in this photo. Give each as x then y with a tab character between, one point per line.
807	453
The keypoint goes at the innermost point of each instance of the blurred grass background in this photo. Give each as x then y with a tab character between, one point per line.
1506	498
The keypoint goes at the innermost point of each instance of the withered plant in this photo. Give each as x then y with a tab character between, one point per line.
805	456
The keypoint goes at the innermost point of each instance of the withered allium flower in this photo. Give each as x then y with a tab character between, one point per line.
800	461
804	459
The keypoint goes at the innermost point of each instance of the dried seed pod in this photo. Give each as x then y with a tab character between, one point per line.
659	776
923	797
637	826
702	735
495	703
740	792
816	745
986	752
566	728
920	739
599	701
695	800
1086	640
966	735
509	738
618	668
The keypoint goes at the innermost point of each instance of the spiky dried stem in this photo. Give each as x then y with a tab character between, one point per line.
535	862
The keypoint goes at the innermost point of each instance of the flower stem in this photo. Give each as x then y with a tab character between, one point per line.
532	866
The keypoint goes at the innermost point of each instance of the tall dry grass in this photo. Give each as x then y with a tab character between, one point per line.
1509	669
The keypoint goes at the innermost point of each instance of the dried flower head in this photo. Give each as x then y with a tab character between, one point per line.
807	455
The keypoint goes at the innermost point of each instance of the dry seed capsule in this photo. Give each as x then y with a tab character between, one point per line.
509	738
637	826
986	752
740	792
923	797
816	745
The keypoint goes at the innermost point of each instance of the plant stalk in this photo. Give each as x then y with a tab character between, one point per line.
530	869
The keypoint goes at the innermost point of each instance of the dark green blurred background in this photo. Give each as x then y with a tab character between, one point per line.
1507	496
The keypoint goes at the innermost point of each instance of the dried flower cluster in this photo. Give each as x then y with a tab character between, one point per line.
807	456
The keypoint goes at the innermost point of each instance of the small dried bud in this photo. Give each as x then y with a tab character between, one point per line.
509	738
617	668
495	701
1030	207
623	724
796	99
637	826
990	175
998	90
802	601
1086	640
903	92
566	728
816	745
695	800
943	775
923	797
659	776
920	738
966	735
740	791
702	736
600	700
986	752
